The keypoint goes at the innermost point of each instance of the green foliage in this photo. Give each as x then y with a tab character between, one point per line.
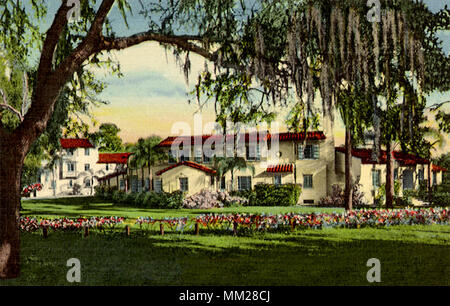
276	195
249	195
146	153
337	197
163	200
107	138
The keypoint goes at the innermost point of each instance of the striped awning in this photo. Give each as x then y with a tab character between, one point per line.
280	168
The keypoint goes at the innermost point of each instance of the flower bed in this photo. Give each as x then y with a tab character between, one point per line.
65	224
30	188
258	222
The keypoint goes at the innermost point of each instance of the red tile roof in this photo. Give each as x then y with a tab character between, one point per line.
248	137
405	159
71	143
288	136
280	168
189	164
438	168
113	158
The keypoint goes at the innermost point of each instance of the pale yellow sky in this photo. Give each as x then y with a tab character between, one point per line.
151	96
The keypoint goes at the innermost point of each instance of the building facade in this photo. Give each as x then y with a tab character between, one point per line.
310	160
75	170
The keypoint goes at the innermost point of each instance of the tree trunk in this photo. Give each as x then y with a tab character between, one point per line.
389	176
150	177
143	179
348	193
430	190
232	180
11	161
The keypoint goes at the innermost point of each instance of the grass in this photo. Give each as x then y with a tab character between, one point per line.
89	206
409	255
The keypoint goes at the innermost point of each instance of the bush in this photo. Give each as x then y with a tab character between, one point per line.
104	192
337	197
206	199
174	200
248	195
441	199
277	195
139	199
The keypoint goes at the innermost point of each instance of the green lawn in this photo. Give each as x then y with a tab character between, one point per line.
89	206
409	255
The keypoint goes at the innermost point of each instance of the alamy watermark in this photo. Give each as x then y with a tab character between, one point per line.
374	13
74	273
237	140
374	273
74	12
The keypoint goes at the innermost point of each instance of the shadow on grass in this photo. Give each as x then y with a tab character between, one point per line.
271	259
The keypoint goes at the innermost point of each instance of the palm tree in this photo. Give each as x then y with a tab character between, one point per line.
223	165
146	154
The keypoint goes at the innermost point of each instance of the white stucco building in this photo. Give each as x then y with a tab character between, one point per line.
75	171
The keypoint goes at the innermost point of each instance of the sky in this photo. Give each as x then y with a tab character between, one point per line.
152	96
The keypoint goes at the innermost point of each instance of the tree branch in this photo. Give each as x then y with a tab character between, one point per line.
182	41
51	40
6	106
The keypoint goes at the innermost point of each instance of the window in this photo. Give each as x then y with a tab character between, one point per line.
308	152
206	159
420	175
184	186
70	183
396	174
277	179
307	181
376	174
139	185
172	158
70	167
253	152
107	167
53	184
147	184
86	151
212	180
158	185
70	152
87	182
222	183
122	184
184	158
198	157
245	182
134	183
87	167
434	178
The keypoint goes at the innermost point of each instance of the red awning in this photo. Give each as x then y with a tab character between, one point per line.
280	168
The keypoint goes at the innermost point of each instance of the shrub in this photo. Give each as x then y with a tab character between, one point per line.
248	195
139	199
206	199
174	199
277	195
104	192
441	199
337	197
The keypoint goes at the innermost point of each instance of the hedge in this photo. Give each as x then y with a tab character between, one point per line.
277	195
